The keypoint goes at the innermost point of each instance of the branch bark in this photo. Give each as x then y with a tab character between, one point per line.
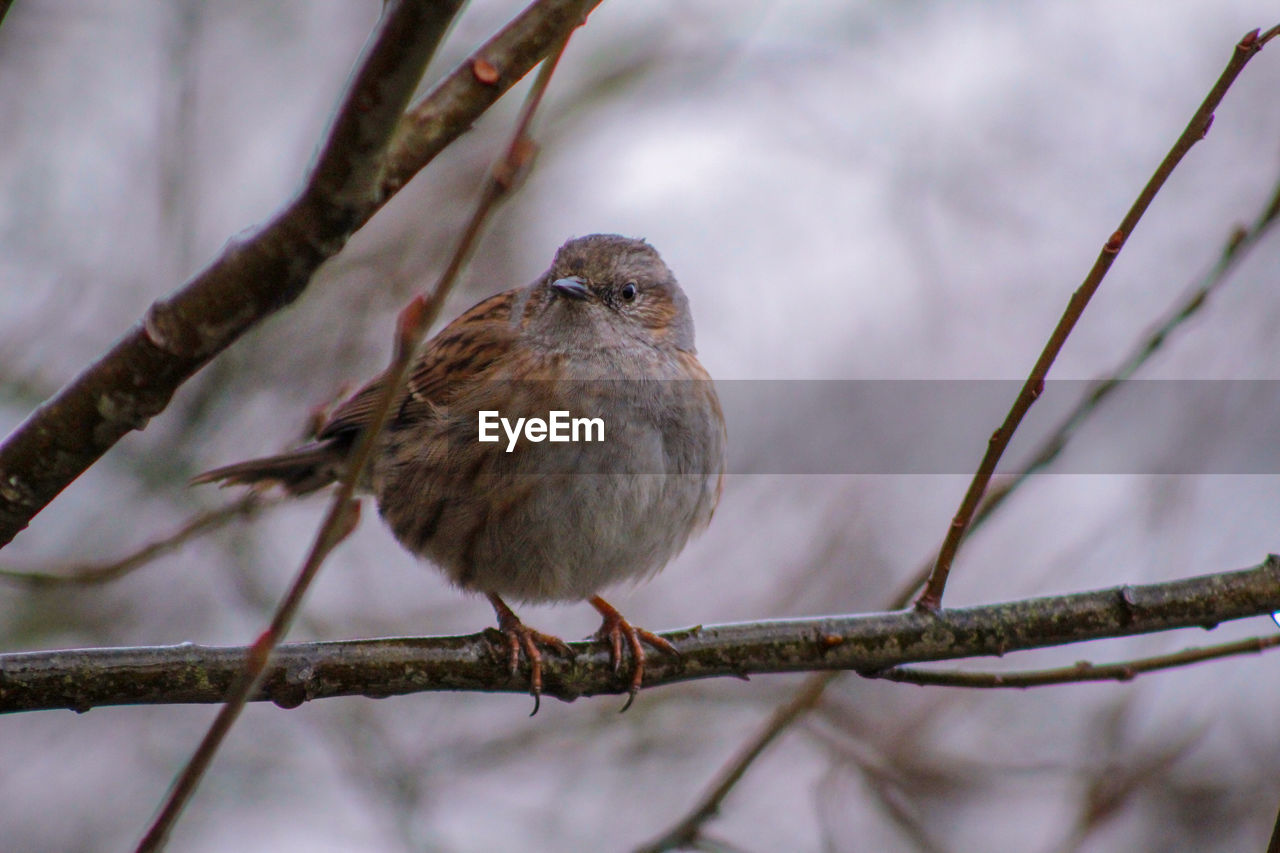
870	643
258	275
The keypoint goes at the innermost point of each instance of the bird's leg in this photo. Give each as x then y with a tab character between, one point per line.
613	630
521	637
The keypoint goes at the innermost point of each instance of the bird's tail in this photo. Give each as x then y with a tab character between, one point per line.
310	467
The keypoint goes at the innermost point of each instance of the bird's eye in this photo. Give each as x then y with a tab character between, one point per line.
628	292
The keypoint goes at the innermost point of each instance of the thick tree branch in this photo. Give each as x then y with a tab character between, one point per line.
260	274
86	678
471	88
253	278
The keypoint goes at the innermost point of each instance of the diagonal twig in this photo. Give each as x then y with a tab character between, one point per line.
343	513
1246	49
1237	247
341	520
1112	786
346	175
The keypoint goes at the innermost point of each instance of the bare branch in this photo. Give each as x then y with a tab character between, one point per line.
1195	130
868	643
511	166
1120	779
1080	671
451	108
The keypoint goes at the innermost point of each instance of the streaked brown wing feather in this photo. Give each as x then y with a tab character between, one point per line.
469	347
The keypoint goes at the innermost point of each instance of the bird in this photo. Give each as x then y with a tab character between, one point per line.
604	333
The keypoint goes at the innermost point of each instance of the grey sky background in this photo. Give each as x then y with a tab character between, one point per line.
864	190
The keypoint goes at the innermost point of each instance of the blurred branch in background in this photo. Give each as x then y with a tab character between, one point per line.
262	273
1242	240
689	829
870	643
88	573
1124	774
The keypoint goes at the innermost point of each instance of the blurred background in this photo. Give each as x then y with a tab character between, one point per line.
853	190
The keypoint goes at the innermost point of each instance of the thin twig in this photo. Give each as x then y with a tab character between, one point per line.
341	518
931	598
90	573
338	524
886	784
870	643
1236	249
1081	671
509	170
403	44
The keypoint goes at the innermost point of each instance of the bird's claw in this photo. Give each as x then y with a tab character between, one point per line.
521	638
613	630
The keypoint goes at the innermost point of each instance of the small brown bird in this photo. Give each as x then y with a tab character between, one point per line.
604	334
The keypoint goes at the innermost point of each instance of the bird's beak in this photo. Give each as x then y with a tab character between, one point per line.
573	287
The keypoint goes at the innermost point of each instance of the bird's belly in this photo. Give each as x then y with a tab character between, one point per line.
550	522
582	533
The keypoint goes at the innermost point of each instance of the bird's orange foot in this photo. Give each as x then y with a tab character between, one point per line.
613	630
520	637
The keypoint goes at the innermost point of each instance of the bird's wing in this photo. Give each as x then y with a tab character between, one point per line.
464	351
